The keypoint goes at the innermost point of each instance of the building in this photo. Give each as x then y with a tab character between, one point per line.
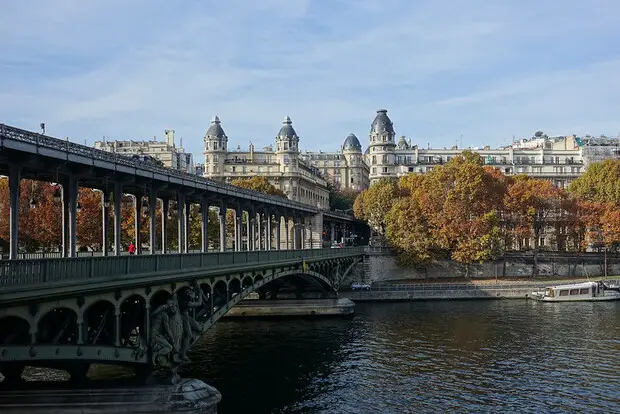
559	159
165	151
303	176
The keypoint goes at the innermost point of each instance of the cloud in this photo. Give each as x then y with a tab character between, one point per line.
442	69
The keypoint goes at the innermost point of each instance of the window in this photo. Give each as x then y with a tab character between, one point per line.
563	292
385	170
574	292
374	159
374	170
584	291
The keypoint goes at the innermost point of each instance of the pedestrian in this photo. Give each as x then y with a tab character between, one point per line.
132	248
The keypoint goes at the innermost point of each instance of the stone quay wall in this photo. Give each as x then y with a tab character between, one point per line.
380	266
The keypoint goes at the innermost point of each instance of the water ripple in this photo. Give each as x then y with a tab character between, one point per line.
487	356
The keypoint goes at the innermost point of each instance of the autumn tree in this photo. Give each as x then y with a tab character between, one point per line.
260	184
373	204
40	222
533	206
600	183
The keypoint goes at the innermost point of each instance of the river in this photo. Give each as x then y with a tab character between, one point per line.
453	356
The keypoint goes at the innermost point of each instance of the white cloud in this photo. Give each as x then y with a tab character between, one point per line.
485	70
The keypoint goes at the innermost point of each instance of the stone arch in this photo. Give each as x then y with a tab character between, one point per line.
58	326
133	321
220	293
234	287
99	323
159	298
247	282
14	330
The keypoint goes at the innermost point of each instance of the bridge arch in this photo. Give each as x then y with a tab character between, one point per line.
14	330
100	323
64	318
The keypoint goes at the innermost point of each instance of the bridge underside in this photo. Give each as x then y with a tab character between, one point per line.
148	324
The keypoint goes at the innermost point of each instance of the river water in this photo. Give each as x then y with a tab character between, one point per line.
453	356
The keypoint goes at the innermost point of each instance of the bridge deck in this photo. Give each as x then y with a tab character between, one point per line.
26	279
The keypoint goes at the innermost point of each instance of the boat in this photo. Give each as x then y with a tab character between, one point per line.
579	292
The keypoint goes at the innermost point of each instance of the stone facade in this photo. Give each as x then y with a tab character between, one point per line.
559	159
165	151
302	176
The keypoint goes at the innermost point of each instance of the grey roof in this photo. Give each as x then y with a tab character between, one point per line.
367	151
382	123
215	130
351	143
287	129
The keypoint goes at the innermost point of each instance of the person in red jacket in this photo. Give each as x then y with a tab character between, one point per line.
132	248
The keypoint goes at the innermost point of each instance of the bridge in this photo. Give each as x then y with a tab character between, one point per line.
147	310
272	222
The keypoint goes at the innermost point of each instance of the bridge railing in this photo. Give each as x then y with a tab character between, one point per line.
35	271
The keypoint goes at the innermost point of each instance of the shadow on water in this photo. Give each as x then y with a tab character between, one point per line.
491	356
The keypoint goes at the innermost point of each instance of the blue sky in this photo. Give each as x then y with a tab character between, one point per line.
486	70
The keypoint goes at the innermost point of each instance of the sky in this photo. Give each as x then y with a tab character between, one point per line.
475	72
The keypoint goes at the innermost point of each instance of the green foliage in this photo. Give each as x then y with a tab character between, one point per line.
600	183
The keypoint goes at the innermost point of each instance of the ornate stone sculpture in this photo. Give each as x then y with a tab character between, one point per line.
174	329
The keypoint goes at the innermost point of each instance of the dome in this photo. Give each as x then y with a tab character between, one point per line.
351	143
215	130
382	123
287	130
367	152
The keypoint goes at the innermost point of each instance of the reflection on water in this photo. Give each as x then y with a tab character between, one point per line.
420	357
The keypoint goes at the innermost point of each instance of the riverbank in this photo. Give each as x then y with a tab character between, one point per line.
457	289
292	308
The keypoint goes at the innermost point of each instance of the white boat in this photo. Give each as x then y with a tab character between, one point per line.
578	292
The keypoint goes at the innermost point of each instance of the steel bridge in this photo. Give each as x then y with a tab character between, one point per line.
142	311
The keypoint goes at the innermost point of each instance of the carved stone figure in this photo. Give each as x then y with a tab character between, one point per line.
166	335
174	329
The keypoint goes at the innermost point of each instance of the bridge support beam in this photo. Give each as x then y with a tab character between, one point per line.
238	229
333	232
14	181
72	188
222	227
278	233
252	235
180	221
164	224
137	203
186	225
204	224
105	204
269	230
287	231
152	220
118	195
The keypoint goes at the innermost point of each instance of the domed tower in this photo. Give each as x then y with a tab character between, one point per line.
381	157
352	151
287	144
216	148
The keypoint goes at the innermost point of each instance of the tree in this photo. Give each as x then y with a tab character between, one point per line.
341	199
408	232
600	183
533	205
40	224
89	220
260	184
372	205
